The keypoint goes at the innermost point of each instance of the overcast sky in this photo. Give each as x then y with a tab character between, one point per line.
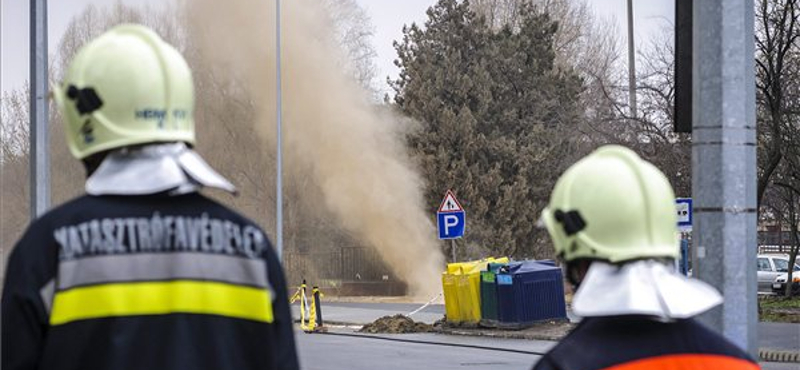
388	17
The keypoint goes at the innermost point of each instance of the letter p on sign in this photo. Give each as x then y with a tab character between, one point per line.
451	224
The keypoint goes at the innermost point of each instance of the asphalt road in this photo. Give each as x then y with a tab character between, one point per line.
779	336
328	352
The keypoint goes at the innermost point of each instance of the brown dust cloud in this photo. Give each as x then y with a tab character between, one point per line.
333	135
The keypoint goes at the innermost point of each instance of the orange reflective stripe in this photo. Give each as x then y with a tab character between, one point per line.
687	362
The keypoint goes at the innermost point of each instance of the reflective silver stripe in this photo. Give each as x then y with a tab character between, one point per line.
47	293
162	266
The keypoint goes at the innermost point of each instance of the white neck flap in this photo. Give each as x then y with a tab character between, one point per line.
642	288
154	169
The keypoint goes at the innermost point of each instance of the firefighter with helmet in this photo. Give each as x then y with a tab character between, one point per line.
142	272
612	220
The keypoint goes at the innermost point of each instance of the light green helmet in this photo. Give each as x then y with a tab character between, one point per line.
612	206
126	87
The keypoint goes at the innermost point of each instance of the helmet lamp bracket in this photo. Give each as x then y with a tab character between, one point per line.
571	221
86	99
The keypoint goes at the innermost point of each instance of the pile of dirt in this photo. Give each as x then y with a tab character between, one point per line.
397	324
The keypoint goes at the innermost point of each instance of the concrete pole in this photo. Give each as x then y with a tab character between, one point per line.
279	109
631	62
39	151
724	163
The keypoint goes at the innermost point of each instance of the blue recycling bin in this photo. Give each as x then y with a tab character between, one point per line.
489	303
529	292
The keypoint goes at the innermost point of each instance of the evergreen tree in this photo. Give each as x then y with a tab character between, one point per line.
496	115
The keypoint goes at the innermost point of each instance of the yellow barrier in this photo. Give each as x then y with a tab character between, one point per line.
310	313
461	285
300	295
315	316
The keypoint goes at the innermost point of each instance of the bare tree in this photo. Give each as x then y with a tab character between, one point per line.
13	169
782	207
14	118
353	32
778	112
650	133
783	192
777	73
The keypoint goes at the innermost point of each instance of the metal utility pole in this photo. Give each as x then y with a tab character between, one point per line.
724	163
683	66
279	110
38	150
631	62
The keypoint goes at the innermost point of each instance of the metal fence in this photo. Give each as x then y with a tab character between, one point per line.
775	249
341	264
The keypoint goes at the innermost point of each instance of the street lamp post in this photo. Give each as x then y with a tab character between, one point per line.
279	117
39	154
631	62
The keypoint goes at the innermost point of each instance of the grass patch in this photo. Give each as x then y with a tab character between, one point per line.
780	302
780	309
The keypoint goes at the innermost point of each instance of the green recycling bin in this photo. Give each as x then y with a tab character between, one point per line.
489	303
488	297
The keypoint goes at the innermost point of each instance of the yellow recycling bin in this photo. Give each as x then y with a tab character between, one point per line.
462	293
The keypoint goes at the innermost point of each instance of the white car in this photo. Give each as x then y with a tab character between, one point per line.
770	266
779	285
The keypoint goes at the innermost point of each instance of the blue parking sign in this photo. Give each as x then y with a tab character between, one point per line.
451	224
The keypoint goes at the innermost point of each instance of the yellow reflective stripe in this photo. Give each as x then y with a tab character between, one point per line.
157	298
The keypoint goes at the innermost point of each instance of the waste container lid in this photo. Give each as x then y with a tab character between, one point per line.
496	266
472	267
532	266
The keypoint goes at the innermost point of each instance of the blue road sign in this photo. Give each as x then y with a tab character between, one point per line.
451	224
684	208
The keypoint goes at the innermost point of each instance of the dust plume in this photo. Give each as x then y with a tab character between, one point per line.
353	153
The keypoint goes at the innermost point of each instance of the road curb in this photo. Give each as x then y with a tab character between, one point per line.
771	355
344	324
500	334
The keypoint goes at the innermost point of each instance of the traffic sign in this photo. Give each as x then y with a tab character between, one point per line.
684	209
451	224
451	217
450	203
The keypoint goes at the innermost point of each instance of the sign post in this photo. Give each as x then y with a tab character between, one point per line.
453	249
451	220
